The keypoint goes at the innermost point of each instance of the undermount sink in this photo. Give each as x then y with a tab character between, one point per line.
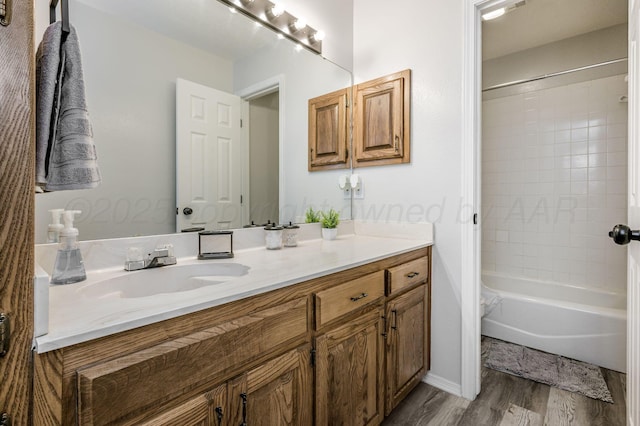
166	279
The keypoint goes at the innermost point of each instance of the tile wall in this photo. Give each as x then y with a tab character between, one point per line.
554	182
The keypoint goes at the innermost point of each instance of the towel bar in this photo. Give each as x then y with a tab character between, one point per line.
64	14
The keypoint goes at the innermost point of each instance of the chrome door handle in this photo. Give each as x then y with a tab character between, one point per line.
622	234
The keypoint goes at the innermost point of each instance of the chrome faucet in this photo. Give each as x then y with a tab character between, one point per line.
161	256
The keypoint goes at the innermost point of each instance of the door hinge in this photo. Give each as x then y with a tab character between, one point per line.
241	122
240	198
5	12
313	357
475	218
5	420
5	334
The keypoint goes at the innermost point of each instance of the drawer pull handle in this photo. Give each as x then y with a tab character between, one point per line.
395	319
244	409
358	297
412	274
219	415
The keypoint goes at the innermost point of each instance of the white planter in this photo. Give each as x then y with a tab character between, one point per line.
329	233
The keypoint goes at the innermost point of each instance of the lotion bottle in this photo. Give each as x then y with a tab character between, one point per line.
53	232
69	267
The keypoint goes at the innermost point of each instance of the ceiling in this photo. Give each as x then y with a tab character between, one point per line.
205	24
540	22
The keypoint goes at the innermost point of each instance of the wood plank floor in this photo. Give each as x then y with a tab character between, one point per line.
506	400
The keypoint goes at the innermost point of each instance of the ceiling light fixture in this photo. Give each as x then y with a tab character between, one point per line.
493	14
500	9
273	15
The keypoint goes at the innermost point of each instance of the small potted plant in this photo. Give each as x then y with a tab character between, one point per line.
329	222
312	216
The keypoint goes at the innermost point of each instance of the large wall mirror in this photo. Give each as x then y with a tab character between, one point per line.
134	53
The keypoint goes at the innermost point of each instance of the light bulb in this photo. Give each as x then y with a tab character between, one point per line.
300	24
277	10
319	35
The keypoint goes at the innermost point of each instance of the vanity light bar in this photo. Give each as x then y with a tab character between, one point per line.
281	21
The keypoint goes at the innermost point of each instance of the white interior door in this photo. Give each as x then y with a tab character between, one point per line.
208	158
633	276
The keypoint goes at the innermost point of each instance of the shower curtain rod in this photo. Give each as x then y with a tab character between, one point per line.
553	74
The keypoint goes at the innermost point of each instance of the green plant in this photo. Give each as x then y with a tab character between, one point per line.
330	219
312	216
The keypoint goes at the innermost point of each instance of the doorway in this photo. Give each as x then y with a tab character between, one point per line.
472	166
264	160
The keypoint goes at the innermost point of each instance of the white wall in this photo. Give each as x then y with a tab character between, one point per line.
428	38
555	182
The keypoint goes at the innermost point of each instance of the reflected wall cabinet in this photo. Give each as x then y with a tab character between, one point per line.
328	141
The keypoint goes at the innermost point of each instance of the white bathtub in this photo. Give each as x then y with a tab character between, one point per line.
575	322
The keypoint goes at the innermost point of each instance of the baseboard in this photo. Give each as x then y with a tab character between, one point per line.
443	384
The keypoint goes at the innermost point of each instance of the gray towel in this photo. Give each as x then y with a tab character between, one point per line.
65	151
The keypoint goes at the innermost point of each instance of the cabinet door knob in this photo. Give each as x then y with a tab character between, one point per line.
622	234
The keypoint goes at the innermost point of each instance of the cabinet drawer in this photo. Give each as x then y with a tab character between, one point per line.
127	386
407	274
340	300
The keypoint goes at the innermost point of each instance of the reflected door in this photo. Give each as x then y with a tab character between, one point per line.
208	158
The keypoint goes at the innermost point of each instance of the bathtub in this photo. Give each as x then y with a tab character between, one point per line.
575	322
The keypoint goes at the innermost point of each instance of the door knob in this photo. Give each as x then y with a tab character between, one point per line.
187	211
622	234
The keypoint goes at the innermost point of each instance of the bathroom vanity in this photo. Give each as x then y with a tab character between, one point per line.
330	332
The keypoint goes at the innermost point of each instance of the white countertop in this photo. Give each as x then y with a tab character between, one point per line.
75	318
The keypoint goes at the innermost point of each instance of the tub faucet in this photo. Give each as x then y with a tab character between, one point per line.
161	256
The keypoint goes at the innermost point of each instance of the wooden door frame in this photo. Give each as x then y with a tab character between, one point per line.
17	183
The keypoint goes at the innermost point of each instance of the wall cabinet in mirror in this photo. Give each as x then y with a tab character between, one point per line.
328	131
382	112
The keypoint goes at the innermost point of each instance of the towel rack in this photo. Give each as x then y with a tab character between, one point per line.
64	14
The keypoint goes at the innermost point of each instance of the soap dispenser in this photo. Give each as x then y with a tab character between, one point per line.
69	267
53	232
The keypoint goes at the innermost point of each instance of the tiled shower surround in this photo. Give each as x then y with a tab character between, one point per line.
554	182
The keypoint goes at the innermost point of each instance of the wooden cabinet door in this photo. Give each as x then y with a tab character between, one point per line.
349	371
328	131
382	120
204	410
130	385
278	392
407	344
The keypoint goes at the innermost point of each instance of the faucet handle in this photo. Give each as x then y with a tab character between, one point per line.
165	250
134	260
